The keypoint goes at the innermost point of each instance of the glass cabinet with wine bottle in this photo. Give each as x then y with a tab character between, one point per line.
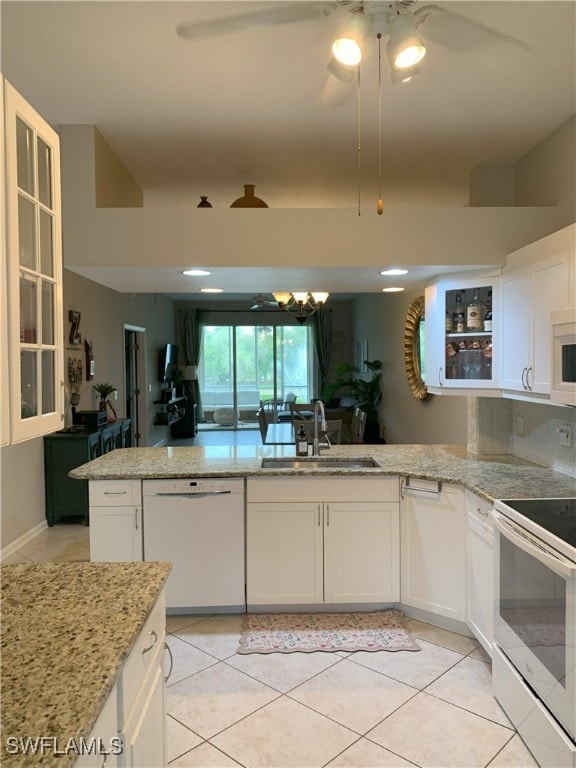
461	347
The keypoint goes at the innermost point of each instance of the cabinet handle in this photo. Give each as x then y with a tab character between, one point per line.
328	515
154	641
528	385
481	512
136	519
114	493
167	648
319	521
440	379
524	370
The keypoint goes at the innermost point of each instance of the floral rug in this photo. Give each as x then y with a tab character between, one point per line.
308	632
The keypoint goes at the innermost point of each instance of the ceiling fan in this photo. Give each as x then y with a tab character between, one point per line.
396	20
262	302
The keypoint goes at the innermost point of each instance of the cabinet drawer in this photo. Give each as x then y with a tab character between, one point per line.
327	488
115	493
142	658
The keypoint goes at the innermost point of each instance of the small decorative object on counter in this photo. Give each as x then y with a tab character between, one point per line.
301	442
249	200
204	202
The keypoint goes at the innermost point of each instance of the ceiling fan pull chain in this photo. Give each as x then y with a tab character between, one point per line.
359	143
380	203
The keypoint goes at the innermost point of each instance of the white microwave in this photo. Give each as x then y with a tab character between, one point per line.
563	329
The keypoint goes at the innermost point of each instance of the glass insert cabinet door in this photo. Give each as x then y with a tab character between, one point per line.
35	270
463	318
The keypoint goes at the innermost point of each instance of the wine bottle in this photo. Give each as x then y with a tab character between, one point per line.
488	315
475	311
458	315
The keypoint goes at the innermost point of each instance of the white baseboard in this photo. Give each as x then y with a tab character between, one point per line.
9	549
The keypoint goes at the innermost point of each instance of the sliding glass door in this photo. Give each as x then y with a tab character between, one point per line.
242	365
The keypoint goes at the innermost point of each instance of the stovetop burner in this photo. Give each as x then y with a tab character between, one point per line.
558	516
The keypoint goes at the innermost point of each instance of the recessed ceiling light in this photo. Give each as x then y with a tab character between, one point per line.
392	289
196	272
211	290
394	272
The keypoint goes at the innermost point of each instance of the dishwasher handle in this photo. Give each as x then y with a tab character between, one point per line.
199	495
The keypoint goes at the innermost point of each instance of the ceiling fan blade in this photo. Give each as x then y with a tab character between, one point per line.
283	13
458	33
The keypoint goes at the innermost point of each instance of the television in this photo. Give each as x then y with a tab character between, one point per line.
168	363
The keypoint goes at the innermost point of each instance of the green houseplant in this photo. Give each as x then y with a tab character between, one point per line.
366	391
104	390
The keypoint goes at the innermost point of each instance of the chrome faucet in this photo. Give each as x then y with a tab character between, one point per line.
319	422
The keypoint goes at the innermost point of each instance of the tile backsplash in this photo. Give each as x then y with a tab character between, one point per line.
530	431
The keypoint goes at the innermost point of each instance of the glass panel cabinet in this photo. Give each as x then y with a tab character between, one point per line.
461	341
34	279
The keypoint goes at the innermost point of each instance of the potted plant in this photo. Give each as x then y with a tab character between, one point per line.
366	392
104	390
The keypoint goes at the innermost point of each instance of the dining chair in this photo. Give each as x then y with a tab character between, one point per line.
302	412
357	426
263	423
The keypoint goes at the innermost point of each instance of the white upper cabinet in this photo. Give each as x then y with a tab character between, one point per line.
34	258
529	294
462	320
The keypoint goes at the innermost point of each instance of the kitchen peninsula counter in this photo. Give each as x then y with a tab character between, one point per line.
67	629
490	477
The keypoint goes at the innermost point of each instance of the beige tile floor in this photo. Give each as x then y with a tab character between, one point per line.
432	709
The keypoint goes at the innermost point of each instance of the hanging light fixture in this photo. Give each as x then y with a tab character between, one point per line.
405	48
301	305
347	47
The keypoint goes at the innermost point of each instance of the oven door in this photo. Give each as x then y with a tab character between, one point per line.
535	616
563	323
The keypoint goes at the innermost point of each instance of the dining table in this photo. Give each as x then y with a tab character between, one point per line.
279	433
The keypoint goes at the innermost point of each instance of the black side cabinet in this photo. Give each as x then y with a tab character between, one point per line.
68	449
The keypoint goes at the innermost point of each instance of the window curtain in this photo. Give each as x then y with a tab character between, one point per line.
190	324
321	325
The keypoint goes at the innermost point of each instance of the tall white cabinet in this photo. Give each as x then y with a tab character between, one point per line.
33	310
529	294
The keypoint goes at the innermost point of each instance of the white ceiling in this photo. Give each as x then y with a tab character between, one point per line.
203	117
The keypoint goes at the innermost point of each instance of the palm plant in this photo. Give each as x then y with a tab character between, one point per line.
367	392
104	390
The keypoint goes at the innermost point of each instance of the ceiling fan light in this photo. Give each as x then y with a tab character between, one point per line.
347	47
404	75
405	48
344	72
320	296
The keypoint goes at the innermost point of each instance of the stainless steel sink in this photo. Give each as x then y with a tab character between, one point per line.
318	462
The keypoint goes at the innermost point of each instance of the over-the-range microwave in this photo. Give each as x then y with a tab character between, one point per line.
563	330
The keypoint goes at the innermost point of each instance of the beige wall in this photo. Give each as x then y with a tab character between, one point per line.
115	187
380	319
103	315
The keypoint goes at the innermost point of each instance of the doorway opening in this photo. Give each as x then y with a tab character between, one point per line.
135	383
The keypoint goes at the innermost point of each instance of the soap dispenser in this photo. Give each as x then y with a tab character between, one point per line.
301	442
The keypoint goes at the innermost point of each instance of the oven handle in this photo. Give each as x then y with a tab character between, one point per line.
555	562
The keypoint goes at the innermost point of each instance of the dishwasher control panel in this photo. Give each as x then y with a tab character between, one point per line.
192	486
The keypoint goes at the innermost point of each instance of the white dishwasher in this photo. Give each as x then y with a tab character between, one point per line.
198	525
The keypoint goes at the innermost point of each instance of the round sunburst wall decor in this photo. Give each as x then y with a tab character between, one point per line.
413	328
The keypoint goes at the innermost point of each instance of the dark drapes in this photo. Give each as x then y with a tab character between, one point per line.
190	323
321	325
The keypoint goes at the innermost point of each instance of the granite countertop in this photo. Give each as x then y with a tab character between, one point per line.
491	477
66	630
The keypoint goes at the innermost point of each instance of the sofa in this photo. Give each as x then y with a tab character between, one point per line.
218	405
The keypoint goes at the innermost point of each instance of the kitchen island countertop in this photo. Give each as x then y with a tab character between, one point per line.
491	477
67	629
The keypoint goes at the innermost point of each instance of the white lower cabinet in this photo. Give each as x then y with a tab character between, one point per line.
433	547
103	745
141	703
480	618
331	540
115	521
